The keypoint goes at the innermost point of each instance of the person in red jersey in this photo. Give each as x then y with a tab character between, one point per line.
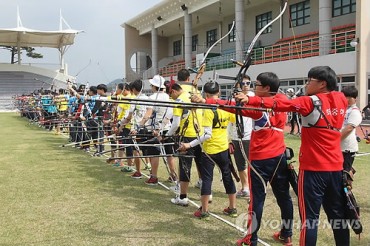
321	161
267	159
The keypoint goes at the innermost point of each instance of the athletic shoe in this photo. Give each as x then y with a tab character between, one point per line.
127	169
117	164
199	184
152	181
287	241
242	193
232	212
182	202
243	242
171	179
97	153
136	175
201	215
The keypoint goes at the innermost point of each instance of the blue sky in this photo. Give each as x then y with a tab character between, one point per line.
101	42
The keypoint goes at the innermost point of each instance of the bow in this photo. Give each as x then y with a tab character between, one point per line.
247	62
248	58
198	76
238	81
202	66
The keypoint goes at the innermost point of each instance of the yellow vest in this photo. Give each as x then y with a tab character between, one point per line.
188	117
219	140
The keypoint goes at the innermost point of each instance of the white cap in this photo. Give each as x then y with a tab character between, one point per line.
290	90
157	81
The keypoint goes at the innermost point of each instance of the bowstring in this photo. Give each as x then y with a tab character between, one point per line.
239	78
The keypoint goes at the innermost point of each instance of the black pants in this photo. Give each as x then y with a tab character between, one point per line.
78	132
293	121
348	158
240	161
206	172
322	188
168	148
125	135
95	128
49	117
185	162
275	171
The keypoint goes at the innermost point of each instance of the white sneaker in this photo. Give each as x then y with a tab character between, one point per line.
199	184
182	202
243	193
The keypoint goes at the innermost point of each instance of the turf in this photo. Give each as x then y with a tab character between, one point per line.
62	196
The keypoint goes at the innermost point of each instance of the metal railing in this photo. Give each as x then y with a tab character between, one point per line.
288	50
172	69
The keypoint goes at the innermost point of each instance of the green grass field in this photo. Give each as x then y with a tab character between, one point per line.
62	196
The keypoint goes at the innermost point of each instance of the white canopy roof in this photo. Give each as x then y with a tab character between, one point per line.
26	37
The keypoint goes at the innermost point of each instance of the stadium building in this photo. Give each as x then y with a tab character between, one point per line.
175	34
19	78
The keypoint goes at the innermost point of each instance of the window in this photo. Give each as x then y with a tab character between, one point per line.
211	37
342	7
194	42
346	79
226	90
295	84
262	20
232	37
300	82
300	13
283	83
177	48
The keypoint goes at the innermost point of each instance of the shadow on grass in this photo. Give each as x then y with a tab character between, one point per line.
151	202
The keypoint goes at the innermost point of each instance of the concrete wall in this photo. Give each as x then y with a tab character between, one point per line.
250	17
250	27
134	43
141	43
314	20
344	20
279	30
226	45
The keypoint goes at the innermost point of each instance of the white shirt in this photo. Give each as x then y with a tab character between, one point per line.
160	112
247	123
138	111
353	117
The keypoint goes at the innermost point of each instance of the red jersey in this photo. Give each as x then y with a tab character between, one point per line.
267	139
320	148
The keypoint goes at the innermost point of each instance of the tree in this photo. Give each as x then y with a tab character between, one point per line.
29	52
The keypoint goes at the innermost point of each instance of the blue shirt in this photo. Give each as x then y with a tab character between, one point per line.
48	105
